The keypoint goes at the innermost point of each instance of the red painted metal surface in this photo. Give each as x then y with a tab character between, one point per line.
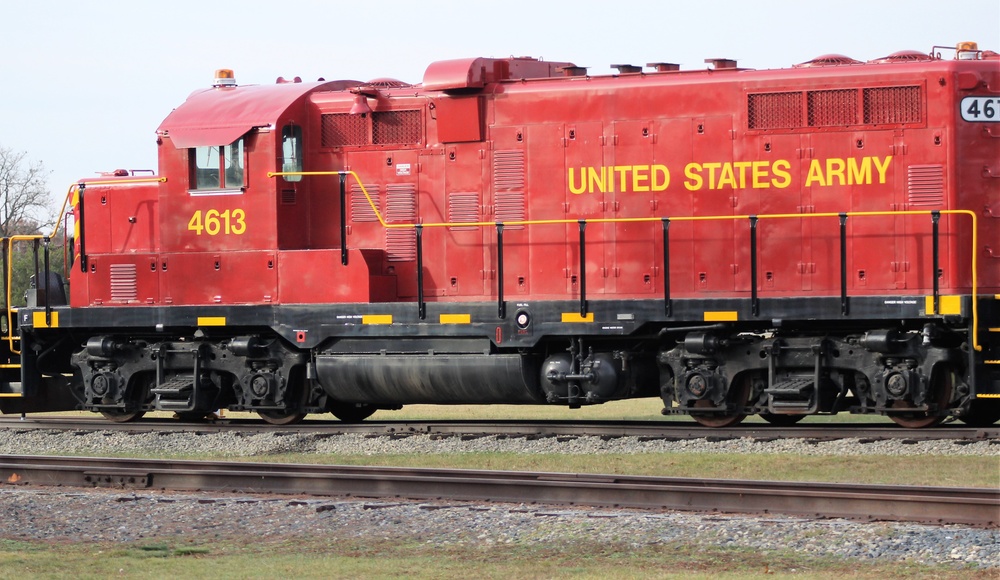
485	140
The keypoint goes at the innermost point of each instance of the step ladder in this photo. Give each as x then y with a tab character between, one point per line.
794	392
177	394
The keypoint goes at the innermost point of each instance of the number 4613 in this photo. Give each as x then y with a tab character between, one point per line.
214	223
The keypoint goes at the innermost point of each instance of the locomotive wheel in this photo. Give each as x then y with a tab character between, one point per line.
982	413
352	413
738	396
942	385
139	392
280	418
782	420
121	416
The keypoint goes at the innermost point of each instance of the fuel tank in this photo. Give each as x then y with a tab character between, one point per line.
443	374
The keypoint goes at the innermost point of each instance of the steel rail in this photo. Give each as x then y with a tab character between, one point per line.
932	505
680	430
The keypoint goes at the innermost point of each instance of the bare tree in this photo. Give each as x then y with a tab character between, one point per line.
25	203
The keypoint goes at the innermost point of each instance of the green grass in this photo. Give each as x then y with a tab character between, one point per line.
951	471
332	557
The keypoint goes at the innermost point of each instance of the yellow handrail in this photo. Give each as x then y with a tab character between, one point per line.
975	226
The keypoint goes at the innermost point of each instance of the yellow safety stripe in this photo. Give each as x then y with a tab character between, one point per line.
376	319
722	316
456	318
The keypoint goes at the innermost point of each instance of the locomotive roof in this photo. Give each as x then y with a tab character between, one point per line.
220	115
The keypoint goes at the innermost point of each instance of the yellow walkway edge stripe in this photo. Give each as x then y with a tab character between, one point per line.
722	316
376	319
456	318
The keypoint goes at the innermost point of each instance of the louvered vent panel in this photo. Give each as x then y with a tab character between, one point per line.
361	210
925	186
833	108
340	129
892	105
508	186
288	197
124	282
401	207
396	128
774	110
463	207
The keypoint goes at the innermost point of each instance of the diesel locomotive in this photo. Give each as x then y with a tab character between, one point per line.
817	239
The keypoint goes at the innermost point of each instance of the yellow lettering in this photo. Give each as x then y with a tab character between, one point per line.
583	181
859	174
782	178
881	167
835	168
711	167
758	173
664	173
640	175
693	173
622	170
726	177
815	174
595	181
742	166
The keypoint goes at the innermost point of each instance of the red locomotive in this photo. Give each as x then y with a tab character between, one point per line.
817	239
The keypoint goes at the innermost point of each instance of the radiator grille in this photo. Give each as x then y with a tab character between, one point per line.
774	110
401	207
341	129
396	128
124	282
925	185
508	186
835	108
892	105
832	108
361	210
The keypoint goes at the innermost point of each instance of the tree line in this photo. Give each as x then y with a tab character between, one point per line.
26	208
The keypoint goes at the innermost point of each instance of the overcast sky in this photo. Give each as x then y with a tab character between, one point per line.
83	85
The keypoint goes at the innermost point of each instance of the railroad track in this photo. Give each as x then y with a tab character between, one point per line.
650	429
933	505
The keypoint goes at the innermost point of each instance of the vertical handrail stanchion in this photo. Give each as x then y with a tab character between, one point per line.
935	218
844	306
343	218
501	304
583	267
421	305
668	308
754	299
38	282
82	228
38	279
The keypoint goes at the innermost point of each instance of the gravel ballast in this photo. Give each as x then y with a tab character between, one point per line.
102	515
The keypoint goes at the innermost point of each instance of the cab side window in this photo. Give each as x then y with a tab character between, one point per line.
217	167
291	151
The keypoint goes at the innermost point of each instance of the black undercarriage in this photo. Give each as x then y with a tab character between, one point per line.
715	360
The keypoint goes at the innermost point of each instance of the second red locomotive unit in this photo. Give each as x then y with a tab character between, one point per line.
818	239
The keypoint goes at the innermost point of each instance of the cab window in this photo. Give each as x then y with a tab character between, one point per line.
291	148
218	167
